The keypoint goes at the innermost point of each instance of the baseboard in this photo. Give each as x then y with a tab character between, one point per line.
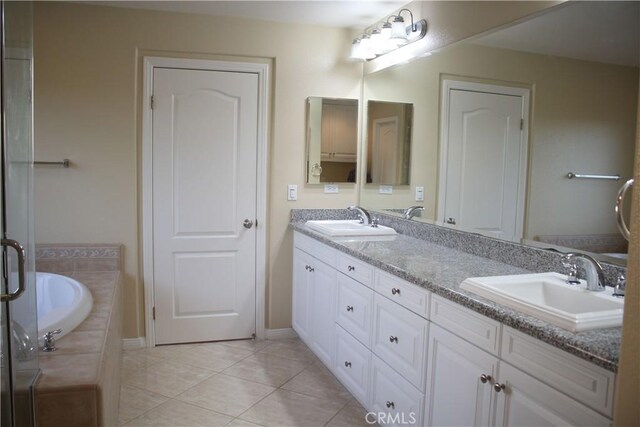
275	334
134	343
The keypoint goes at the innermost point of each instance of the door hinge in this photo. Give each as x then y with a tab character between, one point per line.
521	124
153	313
151	102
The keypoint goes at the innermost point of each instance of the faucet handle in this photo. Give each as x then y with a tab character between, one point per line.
572	275
374	222
621	284
49	341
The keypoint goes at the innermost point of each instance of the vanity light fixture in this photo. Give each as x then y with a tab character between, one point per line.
377	41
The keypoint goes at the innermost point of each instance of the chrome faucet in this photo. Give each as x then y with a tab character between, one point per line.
593	269
412	211
363	215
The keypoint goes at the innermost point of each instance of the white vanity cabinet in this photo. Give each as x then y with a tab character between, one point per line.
421	358
314	294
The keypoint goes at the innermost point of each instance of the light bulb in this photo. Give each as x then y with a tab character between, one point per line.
399	31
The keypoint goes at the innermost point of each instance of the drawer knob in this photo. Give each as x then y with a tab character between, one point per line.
499	387
306	267
351	268
393	339
349	308
395	291
484	378
311	269
390	404
347	364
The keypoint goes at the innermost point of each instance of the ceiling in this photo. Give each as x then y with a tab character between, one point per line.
346	13
601	31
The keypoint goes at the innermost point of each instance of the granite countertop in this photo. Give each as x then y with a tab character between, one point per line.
441	269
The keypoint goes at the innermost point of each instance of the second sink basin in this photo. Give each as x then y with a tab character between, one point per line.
548	297
349	228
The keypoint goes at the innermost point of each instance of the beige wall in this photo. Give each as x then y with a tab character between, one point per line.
87	108
87	87
582	119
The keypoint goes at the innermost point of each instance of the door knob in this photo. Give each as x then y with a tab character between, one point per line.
499	387
247	223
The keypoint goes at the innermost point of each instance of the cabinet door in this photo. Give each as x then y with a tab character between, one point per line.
456	395
526	401
322	307
301	316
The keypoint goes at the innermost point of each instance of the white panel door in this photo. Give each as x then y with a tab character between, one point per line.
204	187
483	163
323	311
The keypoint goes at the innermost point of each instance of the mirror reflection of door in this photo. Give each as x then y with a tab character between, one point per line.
389	128
385	137
332	140
483	164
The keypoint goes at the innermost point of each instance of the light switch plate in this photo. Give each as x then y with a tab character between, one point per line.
419	194
386	189
292	192
331	188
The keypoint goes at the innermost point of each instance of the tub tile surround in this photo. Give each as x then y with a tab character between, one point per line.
66	258
79	382
439	259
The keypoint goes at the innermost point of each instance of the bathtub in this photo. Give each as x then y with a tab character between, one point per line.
62	303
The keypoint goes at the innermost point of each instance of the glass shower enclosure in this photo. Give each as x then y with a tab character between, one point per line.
18	314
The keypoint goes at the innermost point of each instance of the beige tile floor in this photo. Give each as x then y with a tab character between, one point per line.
238	383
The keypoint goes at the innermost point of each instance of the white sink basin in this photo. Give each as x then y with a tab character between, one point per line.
548	297
349	228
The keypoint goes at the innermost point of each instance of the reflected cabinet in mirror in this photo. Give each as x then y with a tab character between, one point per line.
332	140
389	126
500	121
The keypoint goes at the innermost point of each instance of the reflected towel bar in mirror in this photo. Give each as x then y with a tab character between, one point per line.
64	163
572	175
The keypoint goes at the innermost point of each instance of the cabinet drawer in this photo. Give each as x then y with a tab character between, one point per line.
583	381
316	249
355	309
393	397
400	339
404	293
356	269
467	324
353	365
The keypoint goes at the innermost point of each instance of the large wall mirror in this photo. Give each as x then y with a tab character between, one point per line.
389	126
332	140
572	74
